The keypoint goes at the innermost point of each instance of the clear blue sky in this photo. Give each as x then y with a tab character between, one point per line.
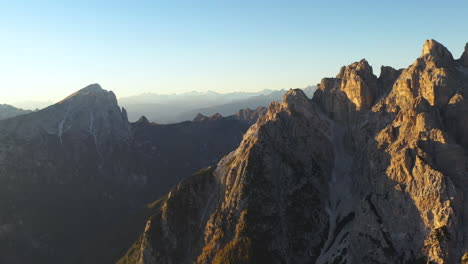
52	48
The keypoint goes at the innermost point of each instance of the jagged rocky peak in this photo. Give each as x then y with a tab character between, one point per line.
388	76
433	76
296	100
216	116
355	89
91	111
99	104
261	204
199	118
143	120
357	81
295	97
328	180
89	92
251	115
464	57
95	110
433	50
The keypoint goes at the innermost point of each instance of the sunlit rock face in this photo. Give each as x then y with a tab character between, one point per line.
435	75
371	170
359	84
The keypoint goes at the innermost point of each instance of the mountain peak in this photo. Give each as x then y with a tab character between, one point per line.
92	110
294	96
216	116
199	118
95	87
464	57
361	67
438	52
143	120
296	101
359	83
90	90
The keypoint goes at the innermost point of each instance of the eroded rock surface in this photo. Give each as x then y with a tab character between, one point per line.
74	172
371	170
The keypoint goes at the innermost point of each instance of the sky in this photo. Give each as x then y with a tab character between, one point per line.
49	49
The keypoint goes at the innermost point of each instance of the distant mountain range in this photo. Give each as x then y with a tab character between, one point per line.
175	108
71	172
33	105
371	170
7	111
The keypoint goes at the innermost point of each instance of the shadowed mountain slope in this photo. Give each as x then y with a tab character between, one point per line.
371	170
7	111
74	171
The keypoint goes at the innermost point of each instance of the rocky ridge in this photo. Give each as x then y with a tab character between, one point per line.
246	115
7	111
371	170
73	173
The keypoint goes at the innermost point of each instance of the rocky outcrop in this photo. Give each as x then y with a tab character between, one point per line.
200	118
247	115
437	53
435	76
143	121
387	78
354	89
262	203
371	170
74	172
464	57
359	84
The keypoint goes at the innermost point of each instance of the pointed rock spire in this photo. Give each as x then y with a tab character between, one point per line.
216	116
143	120
464	57
433	50
124	114
199	118
295	97
359	83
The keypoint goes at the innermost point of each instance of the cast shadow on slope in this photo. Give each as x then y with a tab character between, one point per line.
366	231
367	226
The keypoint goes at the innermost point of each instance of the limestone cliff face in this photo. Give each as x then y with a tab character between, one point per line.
263	202
435	75
354	89
359	84
371	170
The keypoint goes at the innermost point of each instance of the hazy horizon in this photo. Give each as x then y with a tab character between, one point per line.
140	47
39	104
